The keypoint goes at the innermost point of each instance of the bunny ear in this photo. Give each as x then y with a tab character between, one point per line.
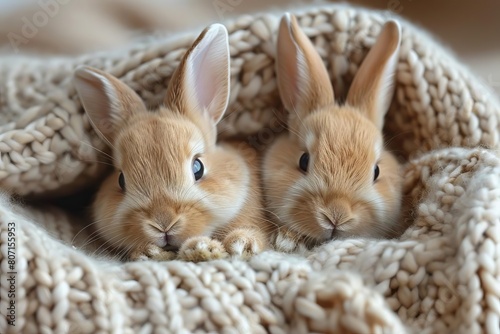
373	86
107	101
303	81
201	82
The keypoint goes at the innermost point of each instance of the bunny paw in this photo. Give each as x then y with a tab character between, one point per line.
151	252
243	243
198	249
288	241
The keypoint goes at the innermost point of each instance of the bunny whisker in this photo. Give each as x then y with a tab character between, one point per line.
107	155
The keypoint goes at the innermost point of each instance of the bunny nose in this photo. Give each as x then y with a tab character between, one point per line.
166	220
168	243
329	220
169	224
340	211
329	226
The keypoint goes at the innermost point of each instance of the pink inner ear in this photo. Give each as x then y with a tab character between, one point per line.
208	73
99	100
205	76
302	78
289	66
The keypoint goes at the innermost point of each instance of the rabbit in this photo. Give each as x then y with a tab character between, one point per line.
175	192
329	177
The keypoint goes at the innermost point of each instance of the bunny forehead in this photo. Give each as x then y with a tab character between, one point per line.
167	141
311	140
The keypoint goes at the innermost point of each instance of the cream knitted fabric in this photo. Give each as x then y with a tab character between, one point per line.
442	275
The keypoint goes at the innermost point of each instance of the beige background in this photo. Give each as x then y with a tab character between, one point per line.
471	29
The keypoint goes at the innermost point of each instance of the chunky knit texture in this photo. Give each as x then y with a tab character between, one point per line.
441	276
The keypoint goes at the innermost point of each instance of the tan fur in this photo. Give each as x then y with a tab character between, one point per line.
155	152
197	249
318	88
337	196
363	92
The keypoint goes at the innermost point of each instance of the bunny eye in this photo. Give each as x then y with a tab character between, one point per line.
304	161
121	181
198	169
376	172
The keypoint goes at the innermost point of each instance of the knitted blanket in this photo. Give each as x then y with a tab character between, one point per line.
441	276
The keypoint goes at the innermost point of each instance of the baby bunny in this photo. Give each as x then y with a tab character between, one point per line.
173	185
330	177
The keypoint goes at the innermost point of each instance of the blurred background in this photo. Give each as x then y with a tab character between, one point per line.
471	29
